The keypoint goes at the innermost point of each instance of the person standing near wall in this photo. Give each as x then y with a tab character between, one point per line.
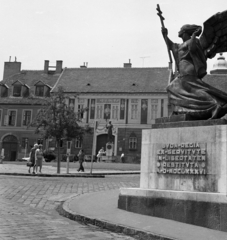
32	158
81	160
122	157
100	154
39	158
2	155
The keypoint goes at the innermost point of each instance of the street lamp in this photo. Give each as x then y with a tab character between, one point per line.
26	147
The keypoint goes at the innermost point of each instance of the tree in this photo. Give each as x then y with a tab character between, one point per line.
58	120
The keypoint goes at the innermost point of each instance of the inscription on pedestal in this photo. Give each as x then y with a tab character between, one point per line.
185	158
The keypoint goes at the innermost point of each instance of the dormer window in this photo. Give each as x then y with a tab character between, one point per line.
3	90
42	90
39	91
17	87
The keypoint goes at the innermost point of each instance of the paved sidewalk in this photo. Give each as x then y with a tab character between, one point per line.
27	207
50	171
100	209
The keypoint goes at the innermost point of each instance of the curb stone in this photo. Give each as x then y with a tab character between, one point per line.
86	175
64	210
56	175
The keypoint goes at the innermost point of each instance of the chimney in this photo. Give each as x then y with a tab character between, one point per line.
46	66
58	66
128	65
84	66
11	68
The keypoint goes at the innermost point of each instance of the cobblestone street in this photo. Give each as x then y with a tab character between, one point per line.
27	207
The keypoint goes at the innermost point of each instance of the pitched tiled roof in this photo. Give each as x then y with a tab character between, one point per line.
113	80
218	81
30	78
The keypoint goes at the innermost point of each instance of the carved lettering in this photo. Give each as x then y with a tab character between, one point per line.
184	158
203	151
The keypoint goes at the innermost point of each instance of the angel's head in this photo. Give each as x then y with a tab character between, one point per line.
188	30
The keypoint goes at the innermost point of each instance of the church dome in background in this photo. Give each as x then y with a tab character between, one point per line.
220	66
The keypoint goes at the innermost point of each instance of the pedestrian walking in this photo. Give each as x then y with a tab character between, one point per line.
100	154
2	155
31	162
39	158
122	157
81	160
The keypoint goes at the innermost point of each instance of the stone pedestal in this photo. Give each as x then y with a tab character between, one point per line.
108	158
183	174
109	149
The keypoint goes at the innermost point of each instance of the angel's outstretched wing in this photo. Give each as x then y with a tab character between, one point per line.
214	37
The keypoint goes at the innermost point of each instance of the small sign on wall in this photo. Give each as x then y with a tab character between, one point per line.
69	143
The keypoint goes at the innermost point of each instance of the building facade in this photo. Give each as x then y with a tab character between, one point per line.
22	95
131	98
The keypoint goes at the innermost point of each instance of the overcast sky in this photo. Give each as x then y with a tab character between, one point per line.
104	33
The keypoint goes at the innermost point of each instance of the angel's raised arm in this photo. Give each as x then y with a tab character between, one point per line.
169	43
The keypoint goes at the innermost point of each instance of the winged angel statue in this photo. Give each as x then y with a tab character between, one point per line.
188	93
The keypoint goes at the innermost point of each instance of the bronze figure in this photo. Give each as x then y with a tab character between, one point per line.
109	128
189	94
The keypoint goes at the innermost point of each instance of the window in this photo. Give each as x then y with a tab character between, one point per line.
26	117
71	103
115	112
99	112
12	118
133	143
39	91
78	143
162	107
24	143
134	111
17	90
134	108
92	110
107	111
80	110
40	141
122	109
154	109
61	143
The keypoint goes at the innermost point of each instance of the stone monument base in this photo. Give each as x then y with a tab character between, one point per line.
197	208
183	174
108	158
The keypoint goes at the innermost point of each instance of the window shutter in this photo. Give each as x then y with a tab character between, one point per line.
6	120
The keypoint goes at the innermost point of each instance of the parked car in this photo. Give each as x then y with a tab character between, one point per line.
25	159
49	156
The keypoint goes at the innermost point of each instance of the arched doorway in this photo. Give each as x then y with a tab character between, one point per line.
101	142
10	144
